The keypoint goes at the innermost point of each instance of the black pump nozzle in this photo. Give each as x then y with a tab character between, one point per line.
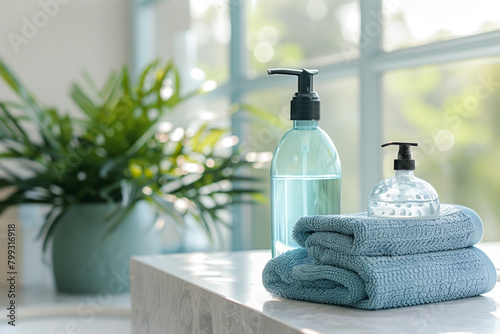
305	77
305	104
404	160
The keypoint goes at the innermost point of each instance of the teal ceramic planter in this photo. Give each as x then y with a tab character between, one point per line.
88	259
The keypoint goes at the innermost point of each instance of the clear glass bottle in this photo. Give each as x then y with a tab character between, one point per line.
305	170
404	195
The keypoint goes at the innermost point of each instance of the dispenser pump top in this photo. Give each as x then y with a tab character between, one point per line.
305	104
404	160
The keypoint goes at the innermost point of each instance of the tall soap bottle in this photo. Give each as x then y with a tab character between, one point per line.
305	170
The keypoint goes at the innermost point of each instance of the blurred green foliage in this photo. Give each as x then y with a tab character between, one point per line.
119	150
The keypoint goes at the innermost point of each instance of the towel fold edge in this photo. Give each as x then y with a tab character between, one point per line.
490	268
476	222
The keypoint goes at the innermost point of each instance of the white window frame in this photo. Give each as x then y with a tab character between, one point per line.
369	67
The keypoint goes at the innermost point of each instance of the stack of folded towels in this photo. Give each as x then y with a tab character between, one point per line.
373	263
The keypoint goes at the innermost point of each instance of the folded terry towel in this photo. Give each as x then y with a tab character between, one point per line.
377	282
457	227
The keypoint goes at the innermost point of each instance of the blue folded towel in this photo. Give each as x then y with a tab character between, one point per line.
377	282
357	234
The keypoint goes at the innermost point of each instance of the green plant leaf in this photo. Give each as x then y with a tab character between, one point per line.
209	139
201	218
142	79
196	137
141	142
90	83
52	219
84	102
110	90
264	115
11	80
260	198
119	216
31	108
12	124
125	81
166	208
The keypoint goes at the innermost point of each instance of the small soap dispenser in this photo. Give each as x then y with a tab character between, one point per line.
403	195
305	169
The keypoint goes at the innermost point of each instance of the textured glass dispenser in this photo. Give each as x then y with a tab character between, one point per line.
403	195
305	170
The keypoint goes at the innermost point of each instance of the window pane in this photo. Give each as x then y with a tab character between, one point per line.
452	112
411	23
339	118
196	37
301	33
211	25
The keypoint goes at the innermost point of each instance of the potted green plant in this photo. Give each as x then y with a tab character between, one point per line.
108	172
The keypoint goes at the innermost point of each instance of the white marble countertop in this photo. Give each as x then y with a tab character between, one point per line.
236	276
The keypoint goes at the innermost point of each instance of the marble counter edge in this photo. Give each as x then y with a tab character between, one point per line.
326	312
146	261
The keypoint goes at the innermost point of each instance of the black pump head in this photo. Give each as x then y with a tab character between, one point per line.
404	160
305	104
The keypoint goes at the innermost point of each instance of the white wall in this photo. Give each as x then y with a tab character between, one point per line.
78	35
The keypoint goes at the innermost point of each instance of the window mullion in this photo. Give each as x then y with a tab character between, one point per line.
481	45
370	102
144	35
242	224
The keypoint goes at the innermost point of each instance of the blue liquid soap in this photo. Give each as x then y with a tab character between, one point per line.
305	170
305	180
